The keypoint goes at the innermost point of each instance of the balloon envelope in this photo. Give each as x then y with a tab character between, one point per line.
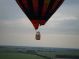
39	11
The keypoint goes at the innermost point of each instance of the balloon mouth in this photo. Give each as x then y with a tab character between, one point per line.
37	23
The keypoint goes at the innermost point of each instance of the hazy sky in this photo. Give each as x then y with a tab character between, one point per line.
62	29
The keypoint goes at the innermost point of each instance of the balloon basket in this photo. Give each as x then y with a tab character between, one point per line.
37	37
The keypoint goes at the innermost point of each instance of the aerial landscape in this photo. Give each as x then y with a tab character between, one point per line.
39	29
22	52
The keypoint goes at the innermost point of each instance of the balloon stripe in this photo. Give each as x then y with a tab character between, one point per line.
45	6
25	3
55	5
35	23
35	6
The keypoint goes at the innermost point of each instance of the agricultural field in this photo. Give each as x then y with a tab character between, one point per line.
15	52
19	56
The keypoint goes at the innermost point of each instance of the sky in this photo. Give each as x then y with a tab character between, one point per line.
62	29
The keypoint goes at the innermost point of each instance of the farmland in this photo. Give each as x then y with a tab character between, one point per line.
18	56
21	52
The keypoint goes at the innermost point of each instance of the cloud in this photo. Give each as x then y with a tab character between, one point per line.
9	10
16	27
71	7
68	25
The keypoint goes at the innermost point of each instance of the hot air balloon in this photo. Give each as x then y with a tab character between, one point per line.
39	11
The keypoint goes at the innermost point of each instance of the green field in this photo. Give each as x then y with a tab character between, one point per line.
19	56
15	52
